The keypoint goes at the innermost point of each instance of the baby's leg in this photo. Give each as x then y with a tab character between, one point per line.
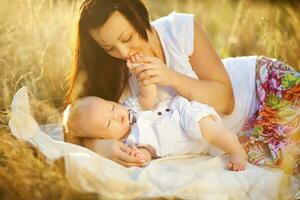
219	136
195	115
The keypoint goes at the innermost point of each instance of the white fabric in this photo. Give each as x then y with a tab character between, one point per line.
172	128
132	102
54	130
183	177
241	71
176	33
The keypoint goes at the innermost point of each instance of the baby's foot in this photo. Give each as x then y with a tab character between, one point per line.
134	62
237	160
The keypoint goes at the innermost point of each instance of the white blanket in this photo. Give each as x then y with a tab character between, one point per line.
185	177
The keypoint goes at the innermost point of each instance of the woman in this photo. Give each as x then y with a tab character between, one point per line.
177	56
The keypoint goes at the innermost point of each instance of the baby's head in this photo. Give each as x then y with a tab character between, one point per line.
93	117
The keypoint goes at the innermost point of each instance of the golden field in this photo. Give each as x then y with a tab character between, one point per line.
36	40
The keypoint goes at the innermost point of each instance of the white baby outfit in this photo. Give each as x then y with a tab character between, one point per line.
172	128
176	33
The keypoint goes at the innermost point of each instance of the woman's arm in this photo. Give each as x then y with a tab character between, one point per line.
115	151
213	86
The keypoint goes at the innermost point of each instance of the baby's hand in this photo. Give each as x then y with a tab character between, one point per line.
134	151
140	153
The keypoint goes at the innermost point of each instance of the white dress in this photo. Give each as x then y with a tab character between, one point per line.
176	33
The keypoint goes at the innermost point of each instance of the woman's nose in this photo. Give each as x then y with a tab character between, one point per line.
124	52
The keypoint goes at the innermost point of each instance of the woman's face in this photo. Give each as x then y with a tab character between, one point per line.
119	38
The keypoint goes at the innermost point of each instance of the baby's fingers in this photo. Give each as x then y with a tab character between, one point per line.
138	154
126	158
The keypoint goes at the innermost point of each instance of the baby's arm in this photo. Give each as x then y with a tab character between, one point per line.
148	94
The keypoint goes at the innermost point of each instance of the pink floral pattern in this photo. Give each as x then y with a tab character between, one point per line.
273	133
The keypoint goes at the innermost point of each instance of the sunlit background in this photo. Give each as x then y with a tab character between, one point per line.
36	40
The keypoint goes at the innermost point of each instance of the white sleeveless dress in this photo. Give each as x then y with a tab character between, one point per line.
176	33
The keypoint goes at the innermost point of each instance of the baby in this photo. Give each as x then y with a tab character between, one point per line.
175	127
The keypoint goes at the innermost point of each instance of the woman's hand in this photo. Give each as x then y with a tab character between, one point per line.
115	151
151	70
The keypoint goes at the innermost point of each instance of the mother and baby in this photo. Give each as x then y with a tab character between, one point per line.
141	90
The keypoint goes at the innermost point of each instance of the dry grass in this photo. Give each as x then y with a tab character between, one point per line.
36	38
25	174
245	27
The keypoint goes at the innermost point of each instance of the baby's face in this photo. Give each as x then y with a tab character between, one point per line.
107	120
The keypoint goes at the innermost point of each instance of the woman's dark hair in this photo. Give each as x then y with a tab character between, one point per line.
94	72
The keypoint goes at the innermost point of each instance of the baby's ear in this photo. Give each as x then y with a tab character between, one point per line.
71	138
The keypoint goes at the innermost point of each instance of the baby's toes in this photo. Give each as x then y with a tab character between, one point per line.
243	166
235	167
132	59
240	167
230	165
137	57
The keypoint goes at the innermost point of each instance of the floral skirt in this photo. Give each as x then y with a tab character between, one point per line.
272	136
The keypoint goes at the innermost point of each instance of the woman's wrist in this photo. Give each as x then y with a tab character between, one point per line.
174	79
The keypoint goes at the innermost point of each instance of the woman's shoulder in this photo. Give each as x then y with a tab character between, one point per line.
177	28
174	20
182	26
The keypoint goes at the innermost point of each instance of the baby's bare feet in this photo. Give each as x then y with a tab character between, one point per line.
237	159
